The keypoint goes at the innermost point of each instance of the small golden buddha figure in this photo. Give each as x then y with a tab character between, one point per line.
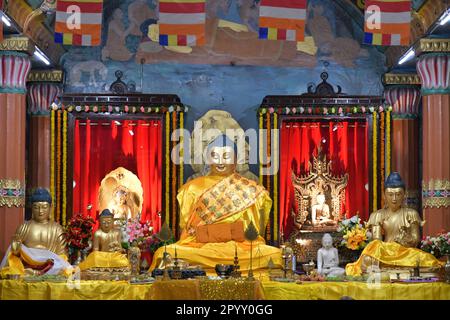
39	245
107	246
214	212
396	233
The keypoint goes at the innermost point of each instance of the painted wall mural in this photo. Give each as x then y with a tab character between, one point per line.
234	70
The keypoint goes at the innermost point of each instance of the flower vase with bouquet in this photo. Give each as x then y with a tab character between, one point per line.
78	236
355	237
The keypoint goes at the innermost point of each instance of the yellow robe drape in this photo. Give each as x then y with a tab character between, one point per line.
393	254
100	259
208	255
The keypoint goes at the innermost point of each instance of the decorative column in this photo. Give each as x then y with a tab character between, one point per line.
15	65
434	69
403	94
43	89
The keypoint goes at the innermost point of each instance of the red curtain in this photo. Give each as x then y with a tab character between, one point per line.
101	146
344	142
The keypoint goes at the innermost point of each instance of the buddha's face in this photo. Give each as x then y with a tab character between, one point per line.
222	160
320	199
394	198
327	242
106	224
41	211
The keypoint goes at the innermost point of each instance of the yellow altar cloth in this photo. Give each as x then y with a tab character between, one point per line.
122	290
393	254
100	259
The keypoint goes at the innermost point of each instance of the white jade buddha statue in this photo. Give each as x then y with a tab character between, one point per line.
328	259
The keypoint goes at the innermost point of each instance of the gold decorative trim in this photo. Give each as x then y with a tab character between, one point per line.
436	193
17	44
12	193
45	76
426	45
401	78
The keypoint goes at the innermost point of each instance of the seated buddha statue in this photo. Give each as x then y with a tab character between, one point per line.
396	233
214	212
39	245
107	246
320	212
328	258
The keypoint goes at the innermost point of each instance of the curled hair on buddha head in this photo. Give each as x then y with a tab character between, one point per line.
41	195
394	180
106	213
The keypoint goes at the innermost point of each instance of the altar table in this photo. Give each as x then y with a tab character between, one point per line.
122	290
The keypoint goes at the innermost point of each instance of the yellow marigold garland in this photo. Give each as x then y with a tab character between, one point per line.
374	160
388	142
275	177
52	162
58	165
167	164
260	149
181	148
268	164
174	179
64	173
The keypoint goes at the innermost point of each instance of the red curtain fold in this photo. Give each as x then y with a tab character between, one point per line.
344	142
101	146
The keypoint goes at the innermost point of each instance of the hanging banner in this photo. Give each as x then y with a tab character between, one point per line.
79	22
387	22
182	22
282	20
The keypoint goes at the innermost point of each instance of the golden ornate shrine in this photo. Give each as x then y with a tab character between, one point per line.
318	181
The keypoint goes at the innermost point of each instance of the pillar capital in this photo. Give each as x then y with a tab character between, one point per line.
404	100
16	63
43	89
432	45
401	79
15	44
45	75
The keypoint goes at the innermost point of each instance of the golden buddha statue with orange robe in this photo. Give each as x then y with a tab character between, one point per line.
107	246
214	212
39	245
396	233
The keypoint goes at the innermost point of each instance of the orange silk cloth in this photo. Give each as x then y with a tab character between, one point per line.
393	254
222	200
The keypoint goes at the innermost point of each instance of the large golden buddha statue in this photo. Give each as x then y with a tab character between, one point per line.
107	246
396	233
214	212
39	245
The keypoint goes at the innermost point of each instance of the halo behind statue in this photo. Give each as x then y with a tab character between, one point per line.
121	179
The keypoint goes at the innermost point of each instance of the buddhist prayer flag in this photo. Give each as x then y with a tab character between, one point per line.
182	22
79	22
282	20
387	22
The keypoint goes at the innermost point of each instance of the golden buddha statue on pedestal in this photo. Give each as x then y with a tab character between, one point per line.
39	245
107	246
214	212
396	233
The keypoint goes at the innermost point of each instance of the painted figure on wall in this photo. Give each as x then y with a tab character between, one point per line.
115	48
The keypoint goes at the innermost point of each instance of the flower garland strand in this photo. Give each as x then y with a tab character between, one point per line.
260	149
275	177
268	176
181	148
374	160
388	141
64	178
58	166
167	163
174	180
52	162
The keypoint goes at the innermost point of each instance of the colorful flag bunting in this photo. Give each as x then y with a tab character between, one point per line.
182	22
79	22
282	20
387	22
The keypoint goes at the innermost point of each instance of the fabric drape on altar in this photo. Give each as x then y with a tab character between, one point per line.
344	142
101	146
